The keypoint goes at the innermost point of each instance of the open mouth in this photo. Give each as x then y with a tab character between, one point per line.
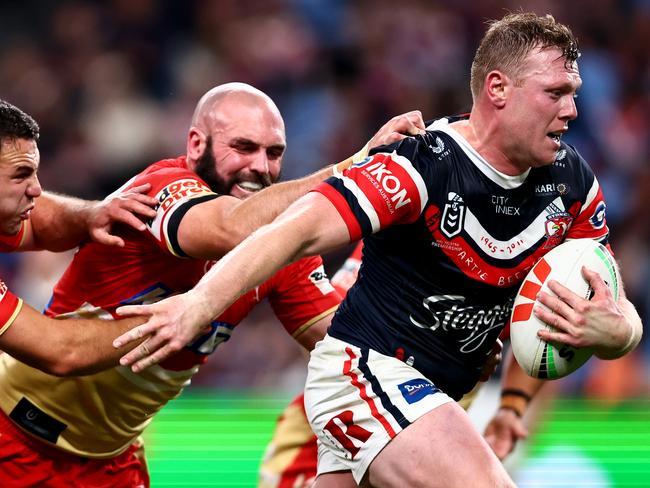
250	185
556	136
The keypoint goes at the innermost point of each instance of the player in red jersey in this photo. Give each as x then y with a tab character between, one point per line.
85	431
56	223
440	269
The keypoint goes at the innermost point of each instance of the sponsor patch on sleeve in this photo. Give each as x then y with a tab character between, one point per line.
171	198
598	217
416	389
321	281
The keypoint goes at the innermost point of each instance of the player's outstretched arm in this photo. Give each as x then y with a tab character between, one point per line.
612	328
69	347
506	428
310	226
226	221
61	222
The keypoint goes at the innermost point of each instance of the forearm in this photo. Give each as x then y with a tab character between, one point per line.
59	222
261	208
310	226
255	260
517	388
631	333
65	347
89	347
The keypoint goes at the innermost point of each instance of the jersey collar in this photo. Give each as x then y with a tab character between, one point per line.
505	181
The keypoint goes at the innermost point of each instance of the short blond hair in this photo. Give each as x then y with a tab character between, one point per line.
508	41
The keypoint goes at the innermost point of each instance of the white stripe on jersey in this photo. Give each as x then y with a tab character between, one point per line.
517	244
363	202
591	196
415	176
503	180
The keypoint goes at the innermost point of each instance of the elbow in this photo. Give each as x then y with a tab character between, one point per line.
66	363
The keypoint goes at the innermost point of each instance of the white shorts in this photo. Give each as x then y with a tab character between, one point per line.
357	400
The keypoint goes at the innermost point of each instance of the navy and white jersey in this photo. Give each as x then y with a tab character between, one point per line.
448	239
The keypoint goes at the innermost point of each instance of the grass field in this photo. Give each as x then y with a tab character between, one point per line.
205	439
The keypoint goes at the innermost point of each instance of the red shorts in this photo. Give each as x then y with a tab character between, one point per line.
28	462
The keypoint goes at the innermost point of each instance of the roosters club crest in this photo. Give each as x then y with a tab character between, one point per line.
556	227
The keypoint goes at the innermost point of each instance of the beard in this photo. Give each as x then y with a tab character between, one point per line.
206	168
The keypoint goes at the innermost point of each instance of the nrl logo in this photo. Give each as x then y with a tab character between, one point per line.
439	147
453	216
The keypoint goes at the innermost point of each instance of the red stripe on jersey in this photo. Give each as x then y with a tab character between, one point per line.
542	270
530	290
347	370
589	223
389	187
522	312
341	205
475	267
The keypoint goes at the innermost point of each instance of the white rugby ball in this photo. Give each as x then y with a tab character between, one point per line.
562	264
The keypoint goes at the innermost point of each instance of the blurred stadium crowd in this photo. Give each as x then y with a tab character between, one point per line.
113	85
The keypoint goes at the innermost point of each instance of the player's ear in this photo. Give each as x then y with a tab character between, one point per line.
497	85
196	143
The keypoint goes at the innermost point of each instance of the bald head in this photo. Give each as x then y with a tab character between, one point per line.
237	139
207	111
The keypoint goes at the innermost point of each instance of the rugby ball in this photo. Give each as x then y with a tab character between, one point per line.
562	264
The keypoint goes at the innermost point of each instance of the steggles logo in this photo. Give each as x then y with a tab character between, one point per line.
450	313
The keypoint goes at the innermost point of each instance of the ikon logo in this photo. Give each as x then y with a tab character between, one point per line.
390	183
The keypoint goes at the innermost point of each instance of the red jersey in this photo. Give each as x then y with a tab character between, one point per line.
100	415
10	304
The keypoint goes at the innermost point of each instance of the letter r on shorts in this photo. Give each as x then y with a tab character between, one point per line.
351	430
